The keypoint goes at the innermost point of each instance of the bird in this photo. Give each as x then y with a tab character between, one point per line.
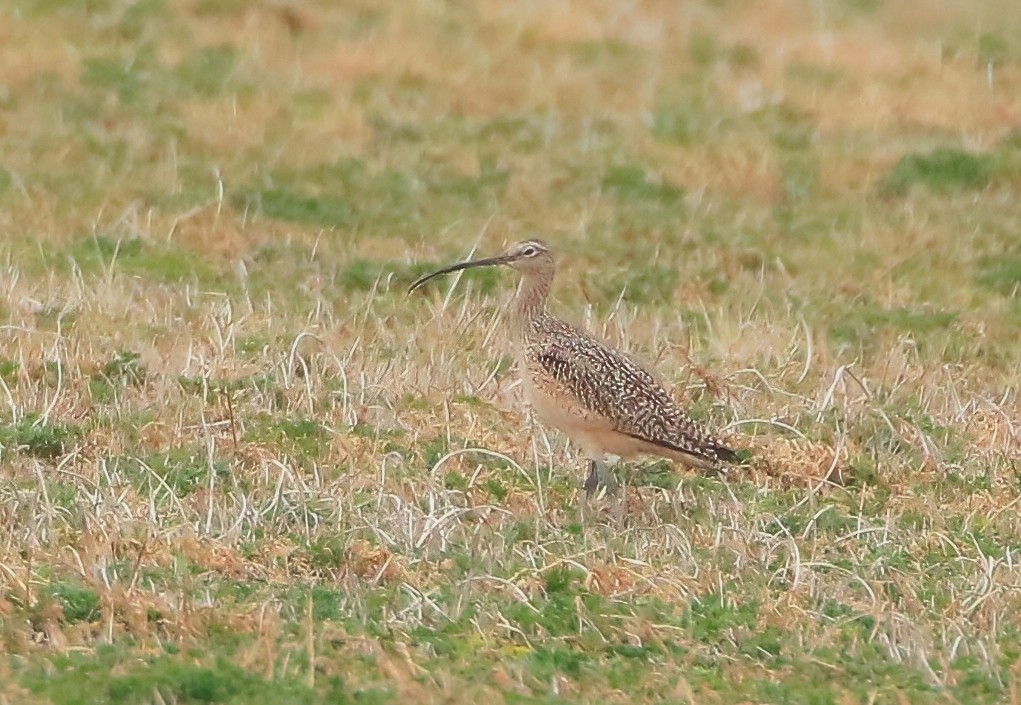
603	399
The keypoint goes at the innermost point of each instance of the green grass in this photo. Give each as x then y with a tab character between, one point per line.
177	472
941	171
305	438
351	195
118	680
134	256
1000	274
32	436
222	418
78	604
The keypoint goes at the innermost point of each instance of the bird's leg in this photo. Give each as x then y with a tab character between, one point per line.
608	480
599	476
592	481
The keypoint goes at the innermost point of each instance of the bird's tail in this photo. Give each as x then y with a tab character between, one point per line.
725	454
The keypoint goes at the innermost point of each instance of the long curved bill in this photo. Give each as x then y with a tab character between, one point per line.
488	262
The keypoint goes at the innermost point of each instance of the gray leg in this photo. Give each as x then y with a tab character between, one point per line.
592	481
599	476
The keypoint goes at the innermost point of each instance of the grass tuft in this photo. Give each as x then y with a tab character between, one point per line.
79	604
32	436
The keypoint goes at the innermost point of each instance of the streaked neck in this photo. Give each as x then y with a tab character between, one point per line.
530	299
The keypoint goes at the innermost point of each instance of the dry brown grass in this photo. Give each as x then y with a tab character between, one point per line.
335	488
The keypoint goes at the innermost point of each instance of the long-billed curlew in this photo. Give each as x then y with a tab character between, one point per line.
604	400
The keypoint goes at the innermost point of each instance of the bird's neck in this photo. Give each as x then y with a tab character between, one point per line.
530	300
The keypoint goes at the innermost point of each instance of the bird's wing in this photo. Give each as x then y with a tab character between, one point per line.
617	387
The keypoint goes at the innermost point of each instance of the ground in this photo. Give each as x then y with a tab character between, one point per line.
238	464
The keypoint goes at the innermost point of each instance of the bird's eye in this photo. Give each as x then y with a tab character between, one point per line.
529	251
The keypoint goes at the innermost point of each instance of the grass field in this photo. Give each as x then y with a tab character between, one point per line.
239	465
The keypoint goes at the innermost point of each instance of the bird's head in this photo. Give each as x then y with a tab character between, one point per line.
530	257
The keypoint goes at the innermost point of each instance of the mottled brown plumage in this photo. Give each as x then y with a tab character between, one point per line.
603	399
